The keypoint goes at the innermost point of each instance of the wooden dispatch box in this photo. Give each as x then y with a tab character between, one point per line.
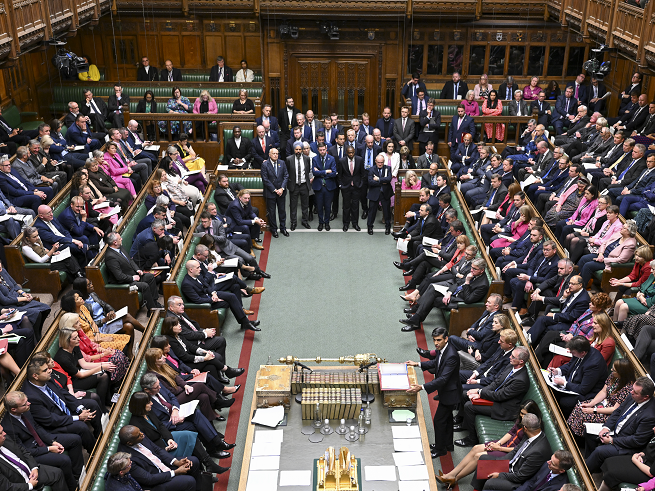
400	398
273	386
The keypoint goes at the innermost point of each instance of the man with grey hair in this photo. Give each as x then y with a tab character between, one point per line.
626	176
25	170
299	184
506	391
157	229
549	292
312	126
74	220
552	474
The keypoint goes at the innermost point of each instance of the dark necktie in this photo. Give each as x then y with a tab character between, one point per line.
298	170
541	483
167	405
511	372
340	153
5	126
437	361
33	432
625	415
15	462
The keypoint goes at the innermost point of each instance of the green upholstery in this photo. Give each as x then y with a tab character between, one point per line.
222	313
124	419
14	118
245	133
202	77
598	275
435	94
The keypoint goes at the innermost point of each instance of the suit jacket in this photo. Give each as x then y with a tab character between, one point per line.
583	92
498	198
446	379
507	394
19	433
272	120
415	105
291	171
307	130
560	107
430	228
49	238
121	268
530	460
540	269
637	430
68	220
495	363
475	291
647	128
463	151
448	90
292	140
223	199
555	484
407	134
455	133
357	178
74	136
244	151
45	411
151	76
411	90
197	290
27	171
380	189
177	75
545	106
513	108
363	149
143	470
112	102
633	172
423	163
380	125
320	174
433	123
483	324
102	107
273	179
188	335
637	120
586	376
637	186
240	215
8	472
284	123
502	91
228	75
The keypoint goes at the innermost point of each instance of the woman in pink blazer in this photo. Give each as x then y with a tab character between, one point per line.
618	251
116	168
581	215
519	227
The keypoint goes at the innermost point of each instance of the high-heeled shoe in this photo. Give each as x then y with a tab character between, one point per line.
404	297
450	483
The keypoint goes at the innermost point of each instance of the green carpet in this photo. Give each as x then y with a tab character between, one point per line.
331	294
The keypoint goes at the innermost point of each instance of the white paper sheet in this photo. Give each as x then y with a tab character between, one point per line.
405	432
231	263
407	445
152	148
78	148
265	463
111	211
104	204
121	313
16	216
223	278
531	179
63	254
443	289
491	215
269	416
414	486
262	481
428	241
546	375
594	428
413	472
188	408
401	245
261	449
627	342
559	350
269	436
591	165
429	253
18	315
295	478
380	473
407	458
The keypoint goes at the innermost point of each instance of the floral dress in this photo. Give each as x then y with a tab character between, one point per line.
117	357
577	419
173	106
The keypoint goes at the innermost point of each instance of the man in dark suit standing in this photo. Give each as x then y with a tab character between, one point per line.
455	88
584	375
147	73
632	424
429	124
460	125
386	123
266	116
220	72
445	367
324	169
566	106
275	178
123	270
403	129
286	119
238	150
46	448
379	190
579	92
19	470
96	110
169	73
596	96
352	175
626	95
507	89
413	86
299	171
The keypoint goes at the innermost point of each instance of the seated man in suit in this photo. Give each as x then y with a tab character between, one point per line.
154	468
507	89
477	331
96	109
426	226
573	301
123	270
549	292
137	143
24	170
484	374
56	409
45	447
644	195
219	228
448	387
492	198
115	104
430	179
74	220
490	231
539	268
243	214
517	249
629	177
19	470
543	109
506	392
169	73
460	125
427	157
455	88
196	289
238	151
53	232
470	289
584	375
147	72
79	135
552	475
631	423
465	154
151	234
15	188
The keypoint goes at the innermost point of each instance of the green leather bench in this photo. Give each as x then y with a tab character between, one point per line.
434	93
202	77
17	119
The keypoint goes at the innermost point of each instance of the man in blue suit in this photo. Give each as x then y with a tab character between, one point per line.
566	106
413	87
504	255
275	178
480	327
379	190
585	374
635	202
552	183
552	475
266	117
272	134
320	137
634	192
52	232
459	126
539	269
137	143
465	153
20	192
78	134
73	219
386	123
261	144
324	168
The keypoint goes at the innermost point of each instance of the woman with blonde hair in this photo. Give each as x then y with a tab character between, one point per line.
204	104
471	107
518	228
411	181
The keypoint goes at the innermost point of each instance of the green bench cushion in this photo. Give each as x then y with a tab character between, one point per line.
14	118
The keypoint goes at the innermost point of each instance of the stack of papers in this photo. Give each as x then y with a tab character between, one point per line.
413	472
265	463
407	458
269	436
265	449
401	245
393	376
407	445
262	480
405	432
379	473
269	416
296	478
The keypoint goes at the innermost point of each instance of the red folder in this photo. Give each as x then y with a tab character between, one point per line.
482	402
3	346
486	467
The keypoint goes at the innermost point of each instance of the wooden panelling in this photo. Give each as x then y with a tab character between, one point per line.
234	50
192	54
170	49
253	51
213	48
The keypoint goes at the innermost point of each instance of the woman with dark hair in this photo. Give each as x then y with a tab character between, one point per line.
496	448
639	274
148	105
552	91
188	155
178	210
493	107
611	396
179	444
92	74
174	165
177	104
114	165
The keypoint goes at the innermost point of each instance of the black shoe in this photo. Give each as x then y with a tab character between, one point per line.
364	214
408	327
387	231
305	224
370	231
254	276
220	454
345	228
333	216
399	235
458	419
407	322
236	389
435	454
423	353
293	227
225	446
221	403
410	310
220	418
274	234
320	227
284	232
94	247
459	428
250	327
258	240
214	468
264	274
409	273
255	323
327	227
234	372
528	321
357	227
466	442
410	315
404	288
399	265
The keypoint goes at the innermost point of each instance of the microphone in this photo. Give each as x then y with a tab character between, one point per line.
304	367
370	364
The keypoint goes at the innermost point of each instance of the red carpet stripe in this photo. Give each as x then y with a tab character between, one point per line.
244	361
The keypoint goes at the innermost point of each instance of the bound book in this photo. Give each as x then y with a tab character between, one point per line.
393	376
